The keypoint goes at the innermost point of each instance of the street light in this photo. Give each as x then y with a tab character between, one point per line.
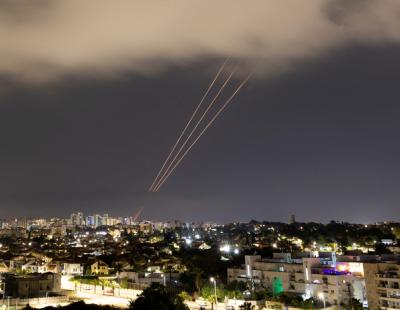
212	280
321	296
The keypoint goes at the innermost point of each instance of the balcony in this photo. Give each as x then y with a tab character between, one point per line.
390	298
387	303
387	276
386	288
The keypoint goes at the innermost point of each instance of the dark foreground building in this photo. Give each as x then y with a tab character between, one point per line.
31	285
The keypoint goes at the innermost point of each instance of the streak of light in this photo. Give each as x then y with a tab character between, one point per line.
151	188
194	128
164	179
136	216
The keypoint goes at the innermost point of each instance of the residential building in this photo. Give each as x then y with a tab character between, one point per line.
146	227
53	267
32	285
77	219
337	282
382	281
145	279
99	267
72	269
90	221
3	267
32	266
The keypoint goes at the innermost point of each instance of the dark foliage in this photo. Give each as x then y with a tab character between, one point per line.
157	297
77	306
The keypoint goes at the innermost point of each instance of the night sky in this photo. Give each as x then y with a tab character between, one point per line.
319	140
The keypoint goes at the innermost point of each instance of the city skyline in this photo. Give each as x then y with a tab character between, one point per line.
313	133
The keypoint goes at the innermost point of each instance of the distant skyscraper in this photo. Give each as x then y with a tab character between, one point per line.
292	219
105	219
77	219
98	220
90	220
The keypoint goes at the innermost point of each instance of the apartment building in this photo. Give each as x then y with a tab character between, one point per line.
321	277
383	285
32	285
72	269
99	267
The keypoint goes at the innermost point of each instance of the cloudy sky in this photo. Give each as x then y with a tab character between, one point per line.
94	93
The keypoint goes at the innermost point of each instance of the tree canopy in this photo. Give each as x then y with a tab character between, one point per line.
157	297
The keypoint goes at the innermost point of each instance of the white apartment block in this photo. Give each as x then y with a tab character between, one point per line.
383	285
335	281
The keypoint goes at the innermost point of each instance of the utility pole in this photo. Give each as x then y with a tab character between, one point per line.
214	281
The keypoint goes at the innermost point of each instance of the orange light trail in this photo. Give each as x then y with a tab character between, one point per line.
164	178
156	179
166	171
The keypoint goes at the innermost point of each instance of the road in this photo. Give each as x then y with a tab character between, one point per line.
103	299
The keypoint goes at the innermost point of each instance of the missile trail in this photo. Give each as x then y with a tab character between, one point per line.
151	188
164	179
194	128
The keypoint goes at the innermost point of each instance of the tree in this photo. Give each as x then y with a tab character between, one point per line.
381	248
188	281
208	292
185	296
357	305
396	232
235	289
236	286
247	306
156	297
354	304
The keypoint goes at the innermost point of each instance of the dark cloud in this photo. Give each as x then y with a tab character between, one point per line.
45	40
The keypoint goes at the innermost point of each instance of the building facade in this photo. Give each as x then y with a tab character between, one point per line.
383	285
29	286
319	277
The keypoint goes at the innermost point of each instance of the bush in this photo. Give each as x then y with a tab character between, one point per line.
77	306
156	297
185	296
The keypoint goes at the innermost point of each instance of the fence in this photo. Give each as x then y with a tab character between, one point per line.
106	291
19	303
